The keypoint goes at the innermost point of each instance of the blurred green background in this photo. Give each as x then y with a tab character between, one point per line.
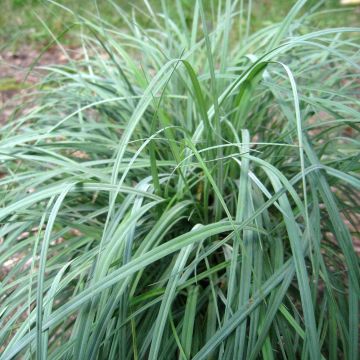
20	19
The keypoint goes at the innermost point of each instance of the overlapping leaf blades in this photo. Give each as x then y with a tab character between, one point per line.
182	194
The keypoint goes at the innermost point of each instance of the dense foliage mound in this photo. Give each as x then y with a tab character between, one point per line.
187	190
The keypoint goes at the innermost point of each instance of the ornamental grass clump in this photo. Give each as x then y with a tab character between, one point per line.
186	190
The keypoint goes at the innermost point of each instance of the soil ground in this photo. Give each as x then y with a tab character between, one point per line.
15	78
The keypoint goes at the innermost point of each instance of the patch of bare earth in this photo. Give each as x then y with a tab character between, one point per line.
15	79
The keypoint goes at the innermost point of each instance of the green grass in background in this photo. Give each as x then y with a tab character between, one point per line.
186	190
20	23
